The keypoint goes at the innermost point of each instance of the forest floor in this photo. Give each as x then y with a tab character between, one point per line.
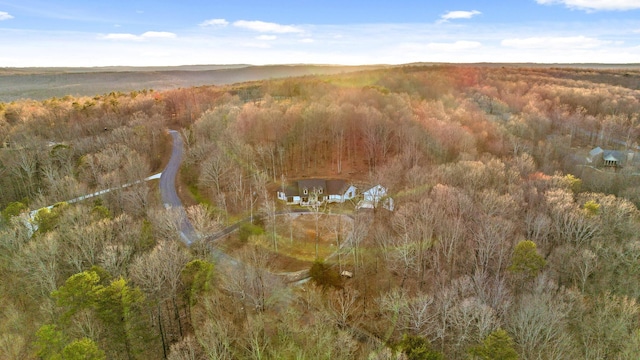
352	168
296	240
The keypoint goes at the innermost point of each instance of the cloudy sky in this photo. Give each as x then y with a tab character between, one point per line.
150	33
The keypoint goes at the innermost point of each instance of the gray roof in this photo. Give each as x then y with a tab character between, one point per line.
329	187
595	152
613	155
311	184
336	187
291	189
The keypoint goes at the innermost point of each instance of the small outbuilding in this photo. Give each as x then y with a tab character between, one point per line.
375	197
609	158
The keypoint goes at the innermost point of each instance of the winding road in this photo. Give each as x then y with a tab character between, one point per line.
168	177
168	192
170	199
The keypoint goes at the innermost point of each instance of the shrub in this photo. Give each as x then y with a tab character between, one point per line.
248	229
325	275
13	209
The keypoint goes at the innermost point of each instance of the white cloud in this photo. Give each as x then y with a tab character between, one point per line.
266	37
5	15
267	27
144	36
120	36
451	15
215	23
443	46
595	5
454	46
545	42
307	40
261	45
158	35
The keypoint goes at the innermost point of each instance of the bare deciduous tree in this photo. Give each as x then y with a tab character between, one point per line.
539	323
167	223
569	222
201	219
158	274
251	280
344	307
213	336
39	261
214	170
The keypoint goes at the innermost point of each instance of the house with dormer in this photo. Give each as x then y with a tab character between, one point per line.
312	192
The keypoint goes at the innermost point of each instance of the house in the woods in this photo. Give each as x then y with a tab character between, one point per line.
311	192
609	158
375	197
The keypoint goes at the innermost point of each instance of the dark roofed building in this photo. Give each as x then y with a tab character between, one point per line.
595	155
611	158
308	192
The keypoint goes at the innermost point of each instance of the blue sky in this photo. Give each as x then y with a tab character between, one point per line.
157	33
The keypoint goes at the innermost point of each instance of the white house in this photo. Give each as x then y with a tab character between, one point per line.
374	197
311	192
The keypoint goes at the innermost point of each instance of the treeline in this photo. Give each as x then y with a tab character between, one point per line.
501	242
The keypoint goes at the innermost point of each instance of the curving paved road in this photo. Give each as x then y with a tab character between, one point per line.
168	188
170	199
168	177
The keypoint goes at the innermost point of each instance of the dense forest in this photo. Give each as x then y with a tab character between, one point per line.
507	239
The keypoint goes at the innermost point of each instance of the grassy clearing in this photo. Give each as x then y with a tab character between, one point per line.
304	250
296	239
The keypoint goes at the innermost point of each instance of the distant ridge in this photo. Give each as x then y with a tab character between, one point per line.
99	69
44	83
634	66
